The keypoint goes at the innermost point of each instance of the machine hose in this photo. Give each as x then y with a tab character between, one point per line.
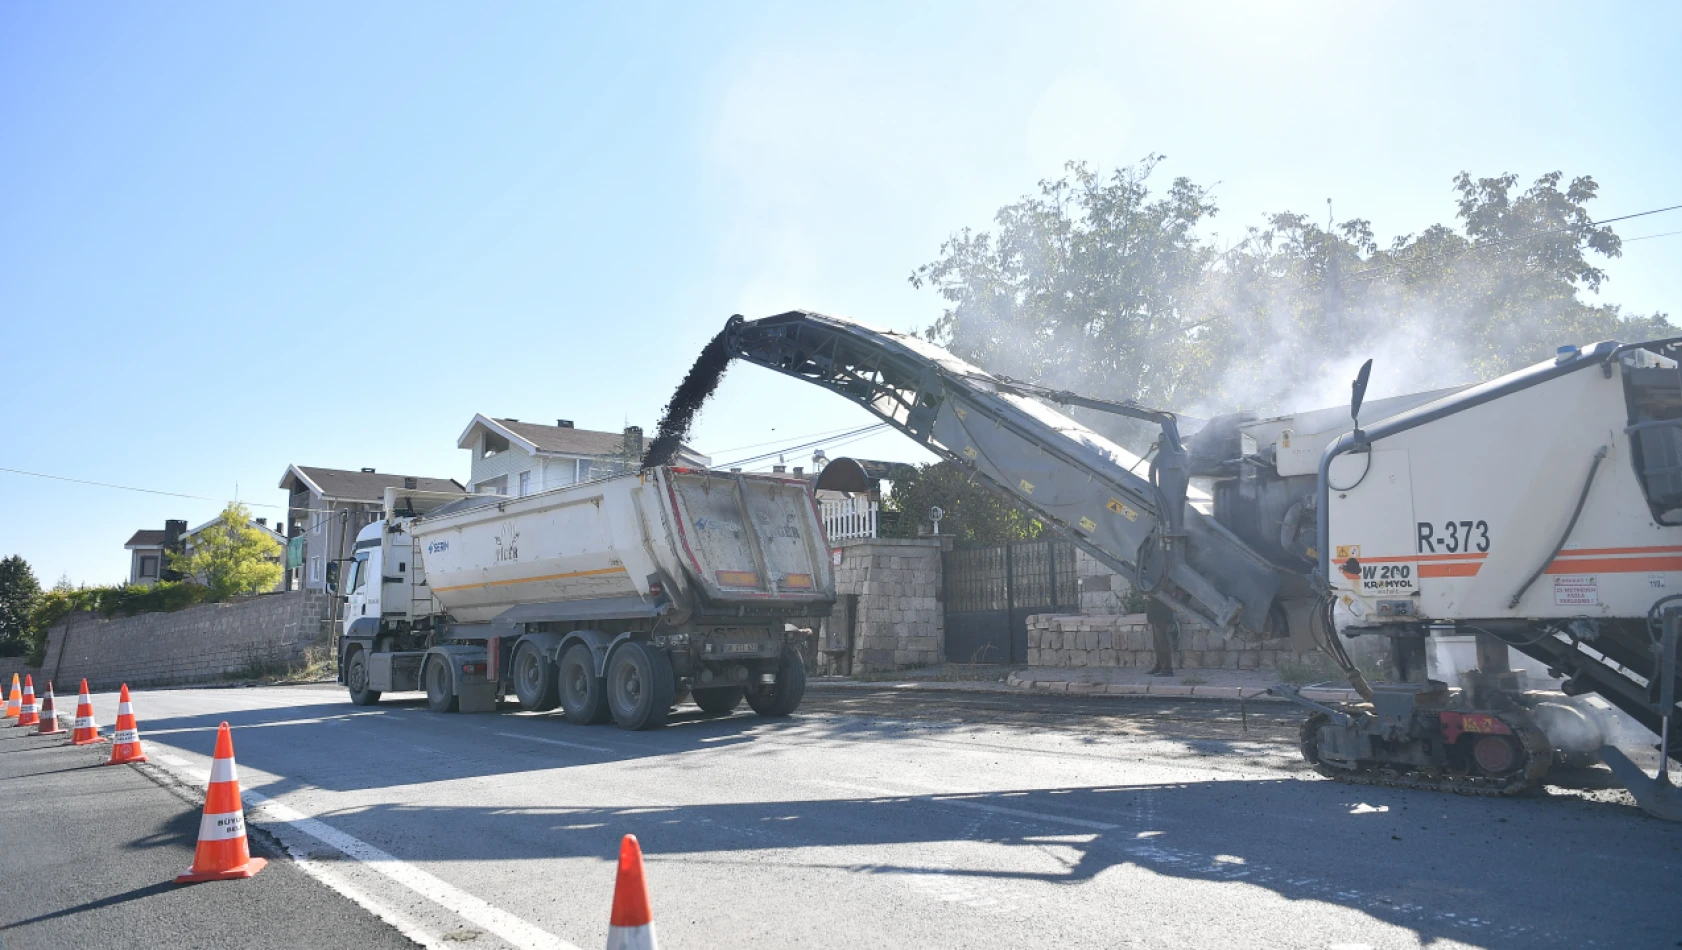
1582	499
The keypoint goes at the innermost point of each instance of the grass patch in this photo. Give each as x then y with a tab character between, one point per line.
1192	681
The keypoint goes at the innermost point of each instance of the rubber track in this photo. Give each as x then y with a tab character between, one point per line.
1537	750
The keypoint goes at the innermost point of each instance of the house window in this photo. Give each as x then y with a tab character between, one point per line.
525	483
583	470
497	485
315	569
148	566
493	444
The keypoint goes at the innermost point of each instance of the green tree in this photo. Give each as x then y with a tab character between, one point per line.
1099	284
231	556
972	513
19	592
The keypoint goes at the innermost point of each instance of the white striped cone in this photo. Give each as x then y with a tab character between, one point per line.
14	699
125	742
223	852
632	925
87	731
28	714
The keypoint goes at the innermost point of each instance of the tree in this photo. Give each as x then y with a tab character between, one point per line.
231	556
19	592
1095	283
971	512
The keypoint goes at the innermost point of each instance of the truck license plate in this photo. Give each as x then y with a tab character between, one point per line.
741	648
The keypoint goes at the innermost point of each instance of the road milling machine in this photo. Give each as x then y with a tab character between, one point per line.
1540	511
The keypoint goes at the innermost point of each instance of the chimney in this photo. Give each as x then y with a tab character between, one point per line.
367	471
262	522
799	470
779	469
411	483
633	442
563	423
736	471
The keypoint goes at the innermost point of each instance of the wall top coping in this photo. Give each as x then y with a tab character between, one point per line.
888	543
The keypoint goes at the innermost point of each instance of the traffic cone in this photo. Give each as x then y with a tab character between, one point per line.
14	699
87	731
632	925
125	742
27	716
223	853
49	715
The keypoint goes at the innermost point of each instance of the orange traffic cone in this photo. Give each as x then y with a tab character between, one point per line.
49	715
125	742
632	925
14	699
223	853
87	731
27	716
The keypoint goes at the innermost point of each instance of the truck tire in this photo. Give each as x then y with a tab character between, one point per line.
583	694
783	697
640	686
356	679
719	700
440	690
537	684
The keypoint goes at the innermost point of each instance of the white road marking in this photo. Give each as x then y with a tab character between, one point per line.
570	745
493	919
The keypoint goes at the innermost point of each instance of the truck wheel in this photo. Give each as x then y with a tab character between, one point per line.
718	700
783	697
440	693
583	696
535	682
640	686
356	678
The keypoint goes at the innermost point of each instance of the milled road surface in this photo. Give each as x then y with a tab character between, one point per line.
899	819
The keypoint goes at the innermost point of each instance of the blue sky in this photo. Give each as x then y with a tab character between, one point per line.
234	238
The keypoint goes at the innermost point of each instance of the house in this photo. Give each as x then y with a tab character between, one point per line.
149	549
147	552
326	507
511	457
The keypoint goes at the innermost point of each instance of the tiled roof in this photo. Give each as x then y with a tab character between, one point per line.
362	486
146	537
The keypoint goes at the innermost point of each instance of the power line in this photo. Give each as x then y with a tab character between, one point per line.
804	435
1374	273
151	491
808	445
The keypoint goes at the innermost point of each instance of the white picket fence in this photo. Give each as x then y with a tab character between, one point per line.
849	518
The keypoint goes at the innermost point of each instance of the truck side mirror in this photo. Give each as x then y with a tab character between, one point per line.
1359	392
333	577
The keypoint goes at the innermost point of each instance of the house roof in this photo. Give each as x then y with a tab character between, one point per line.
340	485
538	439
252	523
146	538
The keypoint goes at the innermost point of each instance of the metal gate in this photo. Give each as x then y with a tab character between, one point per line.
991	592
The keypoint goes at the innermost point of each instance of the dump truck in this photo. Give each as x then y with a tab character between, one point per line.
1539	512
611	598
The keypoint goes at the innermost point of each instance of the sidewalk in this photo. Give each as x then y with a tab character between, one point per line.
1108	681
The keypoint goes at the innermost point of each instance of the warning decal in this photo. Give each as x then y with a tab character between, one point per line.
1576	590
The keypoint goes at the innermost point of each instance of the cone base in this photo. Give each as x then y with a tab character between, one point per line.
94	741
126	759
52	732
248	869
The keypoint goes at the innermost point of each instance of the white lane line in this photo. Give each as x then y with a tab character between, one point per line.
570	745
493	919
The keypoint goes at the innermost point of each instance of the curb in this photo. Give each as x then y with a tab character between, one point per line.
1019	684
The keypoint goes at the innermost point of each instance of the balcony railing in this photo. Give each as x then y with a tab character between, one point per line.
848	518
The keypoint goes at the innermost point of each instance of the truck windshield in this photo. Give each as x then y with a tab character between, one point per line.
361	576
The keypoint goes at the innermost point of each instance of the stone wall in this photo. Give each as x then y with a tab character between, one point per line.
208	642
898	615
1125	640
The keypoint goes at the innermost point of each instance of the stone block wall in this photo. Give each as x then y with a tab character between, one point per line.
900	620
1124	640
208	642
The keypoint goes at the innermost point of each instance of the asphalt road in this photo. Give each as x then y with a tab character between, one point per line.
890	818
